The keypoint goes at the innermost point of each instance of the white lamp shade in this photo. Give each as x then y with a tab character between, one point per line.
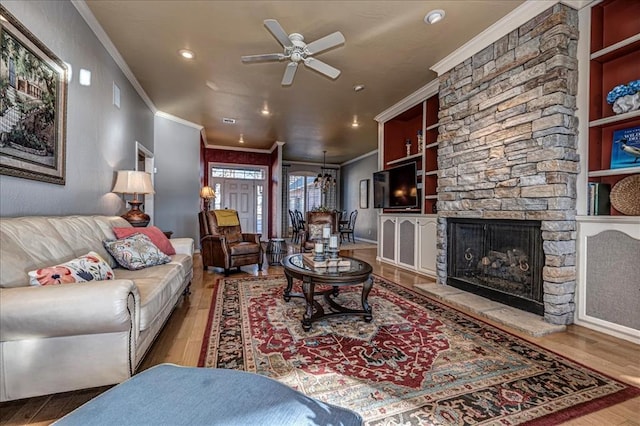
133	182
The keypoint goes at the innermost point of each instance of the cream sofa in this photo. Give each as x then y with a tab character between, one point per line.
59	338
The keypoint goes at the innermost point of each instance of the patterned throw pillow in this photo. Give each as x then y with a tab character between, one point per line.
90	267
135	252
154	233
315	231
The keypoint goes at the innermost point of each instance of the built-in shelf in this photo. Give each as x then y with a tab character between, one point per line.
615	172
607	218
615	118
408	157
431	145
433	126
431	173
614	47
430	197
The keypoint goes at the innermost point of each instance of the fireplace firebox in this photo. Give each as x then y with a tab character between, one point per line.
498	259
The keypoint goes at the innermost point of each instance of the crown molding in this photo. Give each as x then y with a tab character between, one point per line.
413	99
519	16
240	148
308	163
578	4
102	36
179	120
368	154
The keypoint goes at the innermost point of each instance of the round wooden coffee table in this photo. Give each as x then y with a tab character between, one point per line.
358	272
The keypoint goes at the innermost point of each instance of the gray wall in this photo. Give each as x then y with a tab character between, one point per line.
100	137
177	181
350	177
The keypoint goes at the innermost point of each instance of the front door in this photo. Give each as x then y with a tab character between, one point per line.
239	194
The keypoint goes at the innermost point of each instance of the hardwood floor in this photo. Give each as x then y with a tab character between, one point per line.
181	340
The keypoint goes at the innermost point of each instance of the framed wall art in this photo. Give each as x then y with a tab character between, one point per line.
33	101
364	194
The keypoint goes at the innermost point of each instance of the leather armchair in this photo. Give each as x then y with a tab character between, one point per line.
227	246
313	228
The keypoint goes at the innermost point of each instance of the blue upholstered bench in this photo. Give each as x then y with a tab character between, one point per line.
168	394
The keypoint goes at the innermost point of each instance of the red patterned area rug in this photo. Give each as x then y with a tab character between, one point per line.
417	362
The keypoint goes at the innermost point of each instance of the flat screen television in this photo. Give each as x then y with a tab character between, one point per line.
396	188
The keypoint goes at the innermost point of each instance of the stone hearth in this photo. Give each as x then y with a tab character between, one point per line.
507	144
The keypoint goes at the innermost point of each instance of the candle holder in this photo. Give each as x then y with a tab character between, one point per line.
333	253
318	252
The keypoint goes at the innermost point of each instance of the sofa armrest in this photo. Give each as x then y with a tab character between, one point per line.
183	245
68	309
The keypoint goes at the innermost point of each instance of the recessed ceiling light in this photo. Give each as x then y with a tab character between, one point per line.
241	140
265	109
229	120
358	87
186	53
355	123
434	16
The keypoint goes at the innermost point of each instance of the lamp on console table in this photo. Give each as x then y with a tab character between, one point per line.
134	182
207	194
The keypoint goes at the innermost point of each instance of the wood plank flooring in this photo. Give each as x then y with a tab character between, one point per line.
181	340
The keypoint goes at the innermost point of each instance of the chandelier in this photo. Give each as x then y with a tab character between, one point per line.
324	180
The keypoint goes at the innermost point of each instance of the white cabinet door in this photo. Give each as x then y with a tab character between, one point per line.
388	238
427	246
406	242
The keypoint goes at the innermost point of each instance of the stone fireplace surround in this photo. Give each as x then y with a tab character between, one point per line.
507	144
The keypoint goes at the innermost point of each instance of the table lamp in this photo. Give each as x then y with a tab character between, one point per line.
207	194
134	182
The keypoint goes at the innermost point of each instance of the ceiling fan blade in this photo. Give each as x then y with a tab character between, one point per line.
263	58
278	32
323	68
289	73
327	42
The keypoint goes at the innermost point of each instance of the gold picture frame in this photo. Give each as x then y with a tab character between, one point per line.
33	105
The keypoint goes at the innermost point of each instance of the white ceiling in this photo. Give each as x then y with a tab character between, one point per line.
388	48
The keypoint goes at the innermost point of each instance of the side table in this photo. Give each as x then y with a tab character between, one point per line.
276	250
168	234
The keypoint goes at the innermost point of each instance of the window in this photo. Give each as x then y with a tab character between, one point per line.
229	173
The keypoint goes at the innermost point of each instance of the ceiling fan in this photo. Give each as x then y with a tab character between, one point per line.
296	50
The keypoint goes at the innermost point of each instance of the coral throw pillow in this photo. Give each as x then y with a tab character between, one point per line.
135	252
154	233
90	267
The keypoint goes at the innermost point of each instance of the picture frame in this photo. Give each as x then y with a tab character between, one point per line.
33	105
364	194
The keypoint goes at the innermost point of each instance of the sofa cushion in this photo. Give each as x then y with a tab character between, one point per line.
89	267
136	252
29	243
154	233
157	287
86	233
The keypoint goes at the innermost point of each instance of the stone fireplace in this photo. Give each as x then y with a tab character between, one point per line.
507	150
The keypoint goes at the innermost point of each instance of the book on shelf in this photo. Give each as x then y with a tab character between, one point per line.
625	148
599	203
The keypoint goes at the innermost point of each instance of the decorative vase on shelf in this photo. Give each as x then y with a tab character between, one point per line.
625	97
627	103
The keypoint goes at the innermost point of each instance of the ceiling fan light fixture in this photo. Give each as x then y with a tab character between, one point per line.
434	16
187	54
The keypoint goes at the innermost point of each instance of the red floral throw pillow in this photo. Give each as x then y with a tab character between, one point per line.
154	233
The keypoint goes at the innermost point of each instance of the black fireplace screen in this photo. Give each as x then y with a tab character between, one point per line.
499	259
